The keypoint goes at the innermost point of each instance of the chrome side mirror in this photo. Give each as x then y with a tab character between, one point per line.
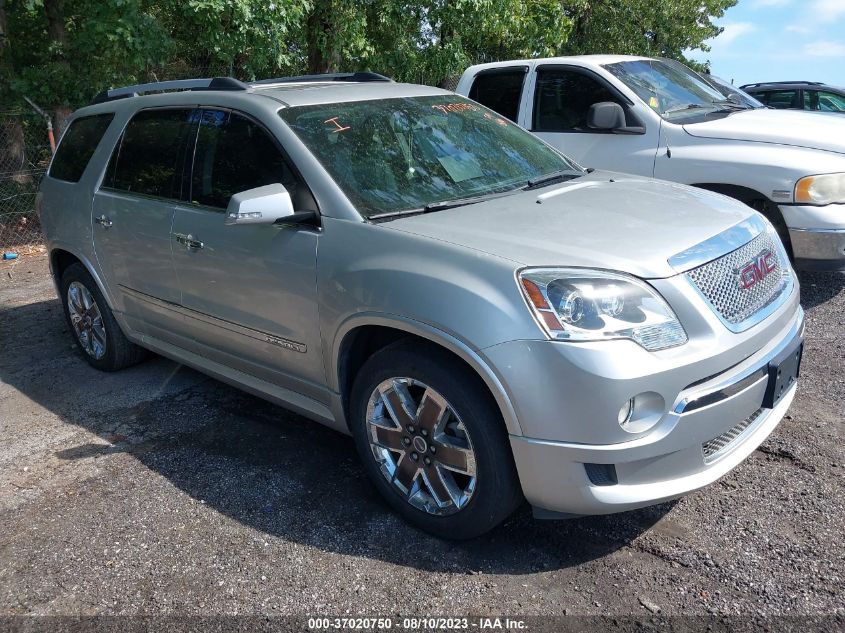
262	205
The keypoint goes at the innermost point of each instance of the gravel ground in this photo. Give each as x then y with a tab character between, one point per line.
157	490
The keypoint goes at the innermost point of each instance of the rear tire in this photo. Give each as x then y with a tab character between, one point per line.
93	325
433	442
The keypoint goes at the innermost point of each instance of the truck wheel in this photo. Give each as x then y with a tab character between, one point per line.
773	215
91	320
433	441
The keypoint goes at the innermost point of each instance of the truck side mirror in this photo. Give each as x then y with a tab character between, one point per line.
610	116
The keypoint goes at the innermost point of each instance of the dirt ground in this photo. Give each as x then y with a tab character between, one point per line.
157	490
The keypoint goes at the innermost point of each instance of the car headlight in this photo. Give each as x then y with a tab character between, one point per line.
824	189
577	304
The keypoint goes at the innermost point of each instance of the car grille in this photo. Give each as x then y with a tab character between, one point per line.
718	446
721	282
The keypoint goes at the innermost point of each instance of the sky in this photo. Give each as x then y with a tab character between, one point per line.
780	40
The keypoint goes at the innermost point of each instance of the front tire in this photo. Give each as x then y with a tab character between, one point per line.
90	319
773	215
433	441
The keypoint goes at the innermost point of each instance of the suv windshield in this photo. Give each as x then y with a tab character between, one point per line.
670	88
410	153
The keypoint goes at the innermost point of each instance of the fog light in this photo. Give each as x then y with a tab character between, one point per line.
641	413
625	413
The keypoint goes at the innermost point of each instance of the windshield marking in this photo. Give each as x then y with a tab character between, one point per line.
338	126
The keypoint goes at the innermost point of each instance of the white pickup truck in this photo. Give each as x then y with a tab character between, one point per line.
658	118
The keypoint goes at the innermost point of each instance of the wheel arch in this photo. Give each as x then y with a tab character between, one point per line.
360	337
757	201
61	258
737	192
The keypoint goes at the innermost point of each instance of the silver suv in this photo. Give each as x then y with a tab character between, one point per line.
488	320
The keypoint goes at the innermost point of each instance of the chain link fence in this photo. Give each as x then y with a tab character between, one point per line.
24	156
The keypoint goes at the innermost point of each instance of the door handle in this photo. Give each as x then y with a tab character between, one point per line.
104	221
188	241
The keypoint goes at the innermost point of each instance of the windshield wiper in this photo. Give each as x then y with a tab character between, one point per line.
462	202
555	176
689	106
440	206
730	105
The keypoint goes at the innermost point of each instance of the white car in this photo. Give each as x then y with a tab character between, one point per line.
656	117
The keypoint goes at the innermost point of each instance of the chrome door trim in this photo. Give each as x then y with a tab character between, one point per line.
272	339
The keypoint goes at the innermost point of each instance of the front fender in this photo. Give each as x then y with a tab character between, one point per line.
454	296
473	358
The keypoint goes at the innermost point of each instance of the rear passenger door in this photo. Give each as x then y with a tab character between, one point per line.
249	290
133	211
501	90
562	99
783	99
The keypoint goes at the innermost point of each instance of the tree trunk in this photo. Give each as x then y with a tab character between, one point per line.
57	30
56	21
13	163
322	48
61	113
4	32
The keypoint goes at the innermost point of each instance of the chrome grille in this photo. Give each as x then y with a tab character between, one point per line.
716	447
721	282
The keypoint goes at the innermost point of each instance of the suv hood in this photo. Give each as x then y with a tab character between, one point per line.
814	130
602	220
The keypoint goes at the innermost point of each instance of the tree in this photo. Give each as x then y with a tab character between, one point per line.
243	38
61	52
643	27
427	40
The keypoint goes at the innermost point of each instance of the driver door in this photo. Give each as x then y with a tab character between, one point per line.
562	99
249	291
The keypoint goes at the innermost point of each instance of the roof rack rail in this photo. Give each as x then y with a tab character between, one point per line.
782	83
360	76
211	83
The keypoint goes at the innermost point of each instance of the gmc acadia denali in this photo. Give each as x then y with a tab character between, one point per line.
488	320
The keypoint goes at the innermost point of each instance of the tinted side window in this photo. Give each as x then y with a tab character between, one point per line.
563	98
78	145
148	160
830	102
234	154
499	90
811	101
783	99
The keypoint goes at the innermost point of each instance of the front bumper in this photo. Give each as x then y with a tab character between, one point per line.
817	235
818	249
559	474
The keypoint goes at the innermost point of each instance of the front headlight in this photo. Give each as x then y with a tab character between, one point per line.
824	189
577	304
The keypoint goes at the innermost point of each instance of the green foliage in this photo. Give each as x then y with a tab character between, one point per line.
643	27
61	52
247	37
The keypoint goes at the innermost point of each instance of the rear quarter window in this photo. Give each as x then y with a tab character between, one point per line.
78	145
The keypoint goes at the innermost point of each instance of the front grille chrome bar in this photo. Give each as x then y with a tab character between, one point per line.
718	245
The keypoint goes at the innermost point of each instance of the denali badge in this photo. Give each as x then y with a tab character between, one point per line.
757	269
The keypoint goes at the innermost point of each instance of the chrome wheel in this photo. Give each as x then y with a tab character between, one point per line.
87	321
421	446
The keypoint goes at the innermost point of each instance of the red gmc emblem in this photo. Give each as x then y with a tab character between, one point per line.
757	269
